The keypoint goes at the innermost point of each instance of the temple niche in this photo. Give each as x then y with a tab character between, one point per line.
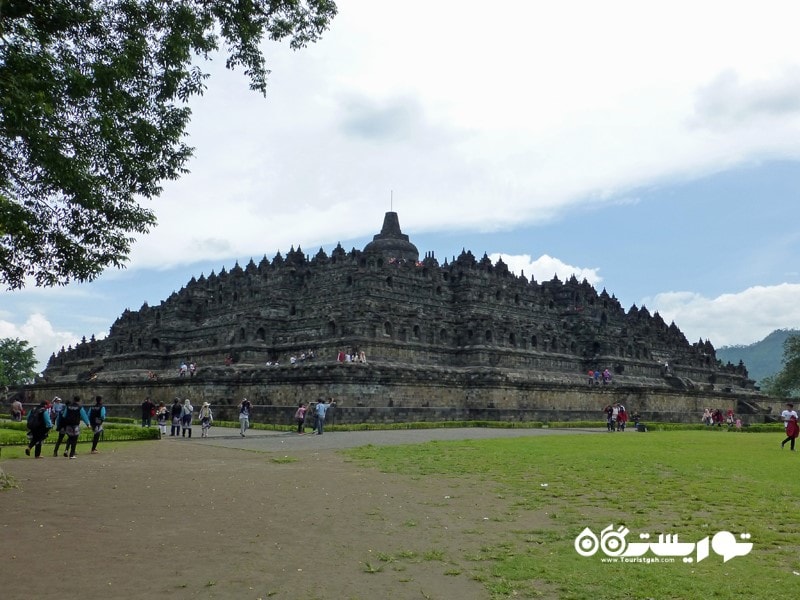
398	309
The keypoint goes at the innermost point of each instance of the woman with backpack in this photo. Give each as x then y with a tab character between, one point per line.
39	425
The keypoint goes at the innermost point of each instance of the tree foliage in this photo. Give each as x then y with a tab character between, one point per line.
787	381
17	361
93	115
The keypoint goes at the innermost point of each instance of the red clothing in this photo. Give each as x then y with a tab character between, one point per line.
792	429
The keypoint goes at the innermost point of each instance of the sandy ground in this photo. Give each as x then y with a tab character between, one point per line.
270	516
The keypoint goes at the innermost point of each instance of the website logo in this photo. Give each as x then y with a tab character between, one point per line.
613	544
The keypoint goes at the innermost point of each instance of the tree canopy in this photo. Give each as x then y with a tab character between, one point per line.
17	361
787	381
93	116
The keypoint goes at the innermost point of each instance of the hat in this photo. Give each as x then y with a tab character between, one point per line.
206	404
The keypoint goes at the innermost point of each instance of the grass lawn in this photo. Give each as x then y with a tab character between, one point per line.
690	483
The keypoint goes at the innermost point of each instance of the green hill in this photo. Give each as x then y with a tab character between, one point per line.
762	358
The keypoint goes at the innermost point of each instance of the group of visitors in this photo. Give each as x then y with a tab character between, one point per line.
191	369
616	417
67	420
294	359
715	418
318	411
596	376
352	356
180	416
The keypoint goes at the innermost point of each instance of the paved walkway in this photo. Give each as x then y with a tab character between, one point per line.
280	441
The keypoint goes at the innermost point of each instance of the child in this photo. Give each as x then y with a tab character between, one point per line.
300	417
206	418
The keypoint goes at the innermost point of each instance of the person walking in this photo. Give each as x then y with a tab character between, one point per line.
792	431
206	419
61	428
39	425
186	418
245	408
73	415
97	416
148	411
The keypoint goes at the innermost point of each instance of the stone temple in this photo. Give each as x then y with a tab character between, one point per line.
465	338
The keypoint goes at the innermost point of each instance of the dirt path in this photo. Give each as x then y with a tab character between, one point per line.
291	519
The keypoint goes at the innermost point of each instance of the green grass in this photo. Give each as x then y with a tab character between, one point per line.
690	483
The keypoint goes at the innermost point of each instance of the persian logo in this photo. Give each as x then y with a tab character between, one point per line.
613	544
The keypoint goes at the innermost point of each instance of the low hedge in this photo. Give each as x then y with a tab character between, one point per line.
11	434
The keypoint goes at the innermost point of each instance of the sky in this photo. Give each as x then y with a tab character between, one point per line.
652	150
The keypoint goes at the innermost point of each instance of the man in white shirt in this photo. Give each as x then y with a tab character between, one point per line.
788	413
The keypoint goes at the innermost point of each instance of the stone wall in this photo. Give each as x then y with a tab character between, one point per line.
402	393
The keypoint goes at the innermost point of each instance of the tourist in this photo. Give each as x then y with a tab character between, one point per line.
591	376
39	425
321	410
300	417
175	414
622	418
61	427
182	370
717	417
206	418
186	418
162	415
606	376
730	419
192	369
72	416
597	376
148	411
55	409
707	417
17	410
245	408
97	415
788	413
792	430
609	410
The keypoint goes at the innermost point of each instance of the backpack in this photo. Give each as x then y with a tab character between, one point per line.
95	416
35	418
72	416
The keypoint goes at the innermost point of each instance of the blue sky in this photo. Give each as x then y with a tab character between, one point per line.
654	151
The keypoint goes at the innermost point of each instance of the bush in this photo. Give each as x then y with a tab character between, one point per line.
12	434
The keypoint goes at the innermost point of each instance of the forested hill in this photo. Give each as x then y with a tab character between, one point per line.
762	358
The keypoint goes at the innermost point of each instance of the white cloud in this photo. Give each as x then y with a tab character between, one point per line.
727	101
546	267
741	318
489	118
40	335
